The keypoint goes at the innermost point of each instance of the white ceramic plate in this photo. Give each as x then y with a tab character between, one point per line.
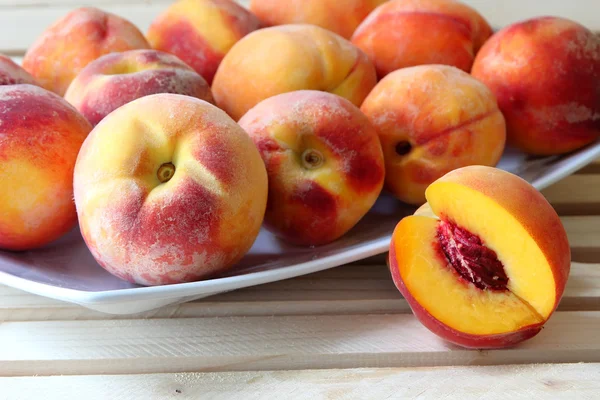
66	270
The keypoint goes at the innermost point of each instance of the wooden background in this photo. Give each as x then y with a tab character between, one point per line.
345	333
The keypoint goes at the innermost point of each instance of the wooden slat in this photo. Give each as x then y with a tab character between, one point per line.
575	195
348	289
21	23
270	343
542	381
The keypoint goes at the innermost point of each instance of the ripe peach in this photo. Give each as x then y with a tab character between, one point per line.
201	32
169	189
291	57
75	40
324	163
341	17
116	79
490	267
406	33
40	137
432	119
545	73
12	73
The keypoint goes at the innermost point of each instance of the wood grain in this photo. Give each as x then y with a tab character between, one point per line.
515	382
269	343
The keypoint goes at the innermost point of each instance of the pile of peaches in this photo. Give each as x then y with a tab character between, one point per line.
171	149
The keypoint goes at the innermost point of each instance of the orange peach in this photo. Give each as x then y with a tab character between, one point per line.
324	163
287	58
12	73
406	33
545	73
116	79
489	267
341	17
432	119
169	189
201	32
76	39
40	138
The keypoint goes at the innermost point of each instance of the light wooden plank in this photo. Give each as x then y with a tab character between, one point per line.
348	289
575	195
541	381
21	23
269	343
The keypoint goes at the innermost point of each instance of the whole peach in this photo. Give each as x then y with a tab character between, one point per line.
116	79
406	33
75	40
12	73
545	73
169	189
39	141
341	17
324	162
432	119
201	32
287	58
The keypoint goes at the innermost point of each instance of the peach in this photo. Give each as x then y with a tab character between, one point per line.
324	162
116	79
201	32
169	189
287	58
406	33
432	119
545	73
12	73
489	268
341	17
76	39
40	137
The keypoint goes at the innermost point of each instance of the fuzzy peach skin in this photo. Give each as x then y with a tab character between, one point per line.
324	162
287	58
76	39
406	33
545	73
432	119
40	136
116	79
180	198
341	17
485	262
12	73
201	32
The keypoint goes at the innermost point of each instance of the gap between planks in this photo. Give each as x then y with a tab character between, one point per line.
270	343
515	382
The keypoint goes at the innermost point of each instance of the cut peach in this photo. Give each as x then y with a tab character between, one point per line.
485	262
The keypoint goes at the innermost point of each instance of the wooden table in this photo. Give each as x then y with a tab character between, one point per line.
345	333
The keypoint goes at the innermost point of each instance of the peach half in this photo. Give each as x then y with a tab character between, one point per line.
545	73
115	79
12	73
201	32
76	39
432	119
324	163
485	262
169	189
341	17
287	58
40	137
406	33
